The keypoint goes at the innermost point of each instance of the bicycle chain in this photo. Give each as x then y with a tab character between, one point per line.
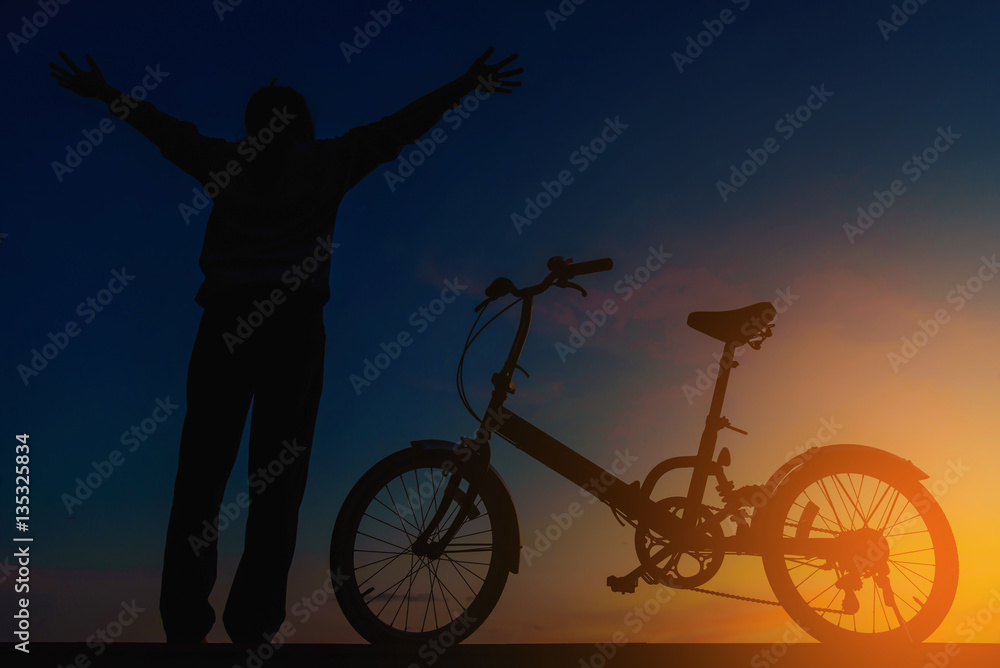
751	599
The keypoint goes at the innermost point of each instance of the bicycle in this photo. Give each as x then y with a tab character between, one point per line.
854	547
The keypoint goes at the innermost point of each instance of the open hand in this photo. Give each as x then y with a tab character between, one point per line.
84	84
490	78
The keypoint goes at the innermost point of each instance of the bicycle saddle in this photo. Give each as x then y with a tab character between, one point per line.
739	325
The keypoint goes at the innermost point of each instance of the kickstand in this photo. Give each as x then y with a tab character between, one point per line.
889	597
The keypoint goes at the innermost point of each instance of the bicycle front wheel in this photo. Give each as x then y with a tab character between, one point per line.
860	551
393	596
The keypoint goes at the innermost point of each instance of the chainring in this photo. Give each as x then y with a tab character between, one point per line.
682	570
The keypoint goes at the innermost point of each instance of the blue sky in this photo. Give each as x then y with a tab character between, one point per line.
656	184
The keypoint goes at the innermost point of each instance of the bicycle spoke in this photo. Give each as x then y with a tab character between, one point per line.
365	581
444	588
820	515
809	602
851	509
803	581
829	500
469	535
368	564
396	585
420	500
833	599
396	594
394	528
914	584
863	509
398	547
456	566
395	510
403	599
923	549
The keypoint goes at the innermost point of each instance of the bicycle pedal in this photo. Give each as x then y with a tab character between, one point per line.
623	585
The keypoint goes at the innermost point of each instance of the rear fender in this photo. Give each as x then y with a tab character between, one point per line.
848	451
507	516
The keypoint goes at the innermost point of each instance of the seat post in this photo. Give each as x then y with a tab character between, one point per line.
706	449
726	363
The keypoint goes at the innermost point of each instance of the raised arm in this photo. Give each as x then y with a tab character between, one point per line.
178	141
419	116
383	140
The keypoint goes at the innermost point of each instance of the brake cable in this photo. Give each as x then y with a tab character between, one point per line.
469	340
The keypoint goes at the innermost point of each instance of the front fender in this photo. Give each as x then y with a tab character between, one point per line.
506	518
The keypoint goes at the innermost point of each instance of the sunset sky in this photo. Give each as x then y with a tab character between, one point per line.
870	99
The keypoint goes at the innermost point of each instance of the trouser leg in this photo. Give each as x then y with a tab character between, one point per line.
219	392
288	388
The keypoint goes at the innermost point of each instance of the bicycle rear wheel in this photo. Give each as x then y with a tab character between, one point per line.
890	569
393	596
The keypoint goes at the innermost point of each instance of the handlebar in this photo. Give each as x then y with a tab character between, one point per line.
560	273
589	267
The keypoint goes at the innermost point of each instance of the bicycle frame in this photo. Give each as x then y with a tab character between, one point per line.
625	498
603	484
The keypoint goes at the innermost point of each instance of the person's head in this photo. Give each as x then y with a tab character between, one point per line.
267	109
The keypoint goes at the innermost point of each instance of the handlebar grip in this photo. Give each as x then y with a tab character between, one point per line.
589	267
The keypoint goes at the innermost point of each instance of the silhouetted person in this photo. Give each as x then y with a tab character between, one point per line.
267	250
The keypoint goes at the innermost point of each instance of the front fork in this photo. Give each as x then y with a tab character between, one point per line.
475	462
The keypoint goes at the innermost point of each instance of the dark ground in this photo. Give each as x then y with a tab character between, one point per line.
811	655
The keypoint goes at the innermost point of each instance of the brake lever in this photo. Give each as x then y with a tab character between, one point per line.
563	283
482	305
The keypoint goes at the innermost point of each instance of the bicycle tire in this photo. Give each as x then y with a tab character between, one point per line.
825	484
375	501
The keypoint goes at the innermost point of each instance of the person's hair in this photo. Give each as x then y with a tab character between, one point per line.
262	107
